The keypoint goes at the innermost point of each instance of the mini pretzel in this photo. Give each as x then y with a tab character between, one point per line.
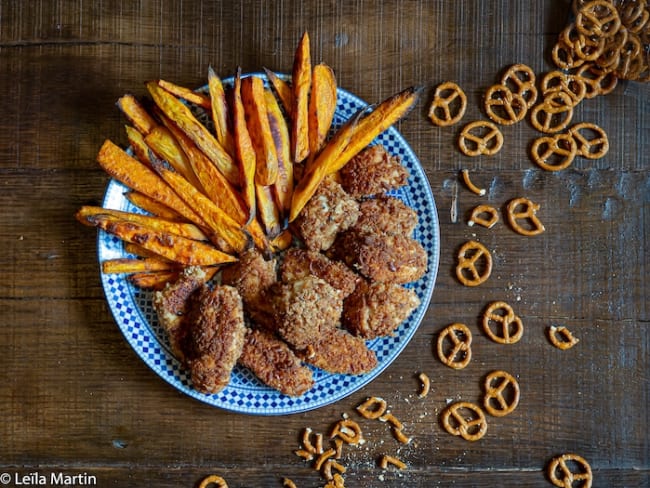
372	408
554	113
574	86
522	209
586	48
348	430
385	460
478	213
448	105
480	137
464	419
328	465
599	82
568	469
561	337
501	393
504	106
474	264
214	481
520	78
426	385
565	57
459	337
471	186
509	327
593	147
598	18
554	153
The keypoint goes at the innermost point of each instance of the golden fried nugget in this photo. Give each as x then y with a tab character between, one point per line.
340	352
299	263
377	309
386	214
274	363
373	172
327	213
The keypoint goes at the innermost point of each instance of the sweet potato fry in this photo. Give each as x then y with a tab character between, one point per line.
139	251
182	116
244	150
320	167
136	114
152	206
186	94
283	187
223	226
156	280
322	105
190	231
219	111
257	122
137	265
301	84
381	118
175	248
282	241
267	211
137	143
283	89
118	164
163	143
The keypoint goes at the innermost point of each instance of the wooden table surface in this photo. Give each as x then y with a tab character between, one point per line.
77	400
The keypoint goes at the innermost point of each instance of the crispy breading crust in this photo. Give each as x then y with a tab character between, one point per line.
327	213
386	214
377	309
172	305
340	352
275	364
372	172
299	263
306	309
215	336
382	257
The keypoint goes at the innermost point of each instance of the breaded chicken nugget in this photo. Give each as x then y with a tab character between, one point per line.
327	213
275	364
306	309
382	257
377	309
172	304
340	352
299	263
372	172
386	214
215	336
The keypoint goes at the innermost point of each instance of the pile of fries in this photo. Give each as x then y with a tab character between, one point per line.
212	190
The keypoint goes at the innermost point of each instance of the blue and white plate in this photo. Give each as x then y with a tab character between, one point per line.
134	314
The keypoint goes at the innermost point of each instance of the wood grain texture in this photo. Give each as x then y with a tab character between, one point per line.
76	399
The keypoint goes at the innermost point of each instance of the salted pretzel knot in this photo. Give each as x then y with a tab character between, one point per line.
591	140
520	78
501	393
598	18
474	264
454	346
524	210
464	419
508	327
448	105
568	469
504	106
480	137
554	153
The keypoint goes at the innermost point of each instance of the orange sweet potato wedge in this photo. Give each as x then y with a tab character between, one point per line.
244	150
301	84
322	105
282	88
283	187
136	114
219	110
186	94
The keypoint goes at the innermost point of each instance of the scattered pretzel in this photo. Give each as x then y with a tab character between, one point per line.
460	338
328	466
348	430
480	138
508	326
372	408
288	483
598	18
464	419
561	337
501	393
471	186
474	264
213	481
504	106
392	420
448	105
520	78
336	482
426	385
590	147
568	469
553	113
324	456
572	85
477	216
522	209
554	153
387	460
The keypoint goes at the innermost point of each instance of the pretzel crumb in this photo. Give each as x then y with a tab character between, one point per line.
426	385
387	460
561	337
470	185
